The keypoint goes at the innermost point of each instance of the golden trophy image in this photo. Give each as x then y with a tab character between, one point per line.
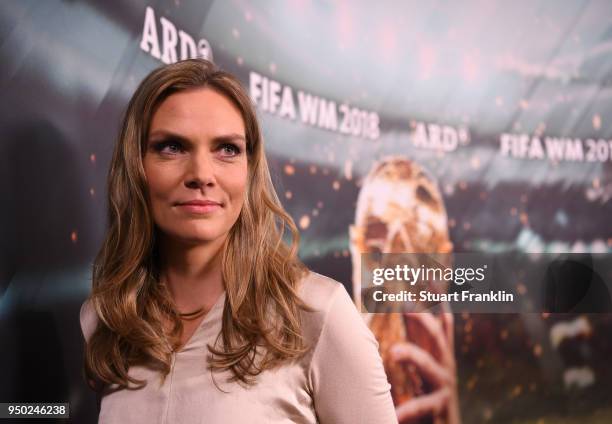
400	210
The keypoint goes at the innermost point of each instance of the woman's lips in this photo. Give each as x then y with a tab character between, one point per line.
199	206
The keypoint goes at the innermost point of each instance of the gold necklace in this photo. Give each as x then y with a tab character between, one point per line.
190	316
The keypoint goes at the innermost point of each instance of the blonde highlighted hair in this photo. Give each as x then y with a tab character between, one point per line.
260	271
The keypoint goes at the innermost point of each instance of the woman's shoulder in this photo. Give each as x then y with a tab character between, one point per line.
343	349
318	291
88	318
331	303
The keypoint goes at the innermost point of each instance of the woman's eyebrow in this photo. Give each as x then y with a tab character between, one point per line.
169	134
218	139
229	138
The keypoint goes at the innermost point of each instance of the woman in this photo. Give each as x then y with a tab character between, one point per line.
199	310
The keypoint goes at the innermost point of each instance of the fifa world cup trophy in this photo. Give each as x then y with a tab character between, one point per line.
400	210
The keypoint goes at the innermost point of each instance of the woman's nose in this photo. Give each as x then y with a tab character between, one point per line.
200	170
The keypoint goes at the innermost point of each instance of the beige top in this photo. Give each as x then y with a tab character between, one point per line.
340	380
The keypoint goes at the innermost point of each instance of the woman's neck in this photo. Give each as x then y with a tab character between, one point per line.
192	273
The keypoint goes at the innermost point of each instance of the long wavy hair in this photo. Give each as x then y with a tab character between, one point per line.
260	269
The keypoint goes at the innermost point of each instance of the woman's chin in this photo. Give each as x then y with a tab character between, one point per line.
199	237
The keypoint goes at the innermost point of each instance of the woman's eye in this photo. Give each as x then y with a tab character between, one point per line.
168	147
229	150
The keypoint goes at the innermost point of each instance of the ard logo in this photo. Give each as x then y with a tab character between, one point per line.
175	43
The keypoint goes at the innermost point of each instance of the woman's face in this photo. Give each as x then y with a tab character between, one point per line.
196	165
